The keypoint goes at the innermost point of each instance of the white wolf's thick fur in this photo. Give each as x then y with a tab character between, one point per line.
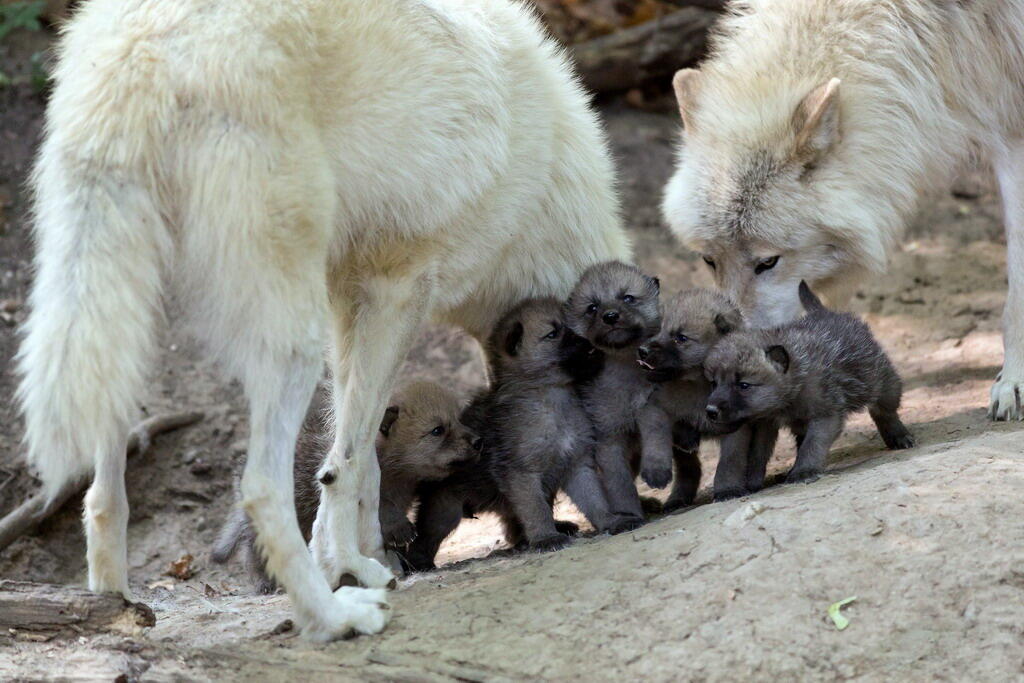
921	84
312	172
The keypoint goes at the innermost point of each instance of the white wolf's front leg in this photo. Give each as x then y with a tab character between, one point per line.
375	327
1006	396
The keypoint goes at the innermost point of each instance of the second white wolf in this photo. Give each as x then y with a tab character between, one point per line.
815	128
309	172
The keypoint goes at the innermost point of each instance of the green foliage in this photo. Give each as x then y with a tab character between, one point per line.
17	15
38	76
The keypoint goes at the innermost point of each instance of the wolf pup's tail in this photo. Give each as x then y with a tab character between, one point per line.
810	301
235	529
101	243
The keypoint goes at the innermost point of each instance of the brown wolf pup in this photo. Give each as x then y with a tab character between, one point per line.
420	439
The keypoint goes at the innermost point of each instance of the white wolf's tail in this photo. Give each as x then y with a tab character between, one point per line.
100	244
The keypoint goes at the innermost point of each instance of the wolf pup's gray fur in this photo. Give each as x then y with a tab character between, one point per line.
537	439
675	419
421	439
616	307
807	375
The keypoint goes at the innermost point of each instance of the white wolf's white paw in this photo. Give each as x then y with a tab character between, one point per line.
350	571
352	611
1006	398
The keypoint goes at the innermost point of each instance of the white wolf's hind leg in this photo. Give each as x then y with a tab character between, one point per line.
106	524
278	404
1008	391
372	338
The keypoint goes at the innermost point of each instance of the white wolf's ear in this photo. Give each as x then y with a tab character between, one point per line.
685	83
816	122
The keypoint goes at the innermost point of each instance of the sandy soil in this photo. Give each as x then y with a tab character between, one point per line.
928	540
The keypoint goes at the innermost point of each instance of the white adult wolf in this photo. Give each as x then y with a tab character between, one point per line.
313	173
816	126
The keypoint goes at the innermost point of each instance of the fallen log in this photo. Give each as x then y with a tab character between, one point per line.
653	50
36	608
36	509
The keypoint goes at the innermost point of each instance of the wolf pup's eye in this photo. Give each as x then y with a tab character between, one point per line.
553	334
765	264
710	261
591	309
681	338
743	386
437	431
629	299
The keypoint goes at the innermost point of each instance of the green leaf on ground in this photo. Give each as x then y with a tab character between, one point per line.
836	615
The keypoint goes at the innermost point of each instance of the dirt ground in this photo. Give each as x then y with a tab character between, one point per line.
929	540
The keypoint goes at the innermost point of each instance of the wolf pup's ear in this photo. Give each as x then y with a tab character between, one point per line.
685	83
727	322
657	284
390	415
816	123
514	339
779	358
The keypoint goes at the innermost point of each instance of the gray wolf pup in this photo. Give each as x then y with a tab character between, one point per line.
537	439
807	375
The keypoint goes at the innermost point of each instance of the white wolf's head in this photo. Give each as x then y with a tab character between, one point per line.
761	193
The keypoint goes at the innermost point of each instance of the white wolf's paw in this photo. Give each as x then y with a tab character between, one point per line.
352	611
353	571
1006	398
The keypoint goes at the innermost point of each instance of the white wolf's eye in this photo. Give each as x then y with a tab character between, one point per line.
765	264
710	261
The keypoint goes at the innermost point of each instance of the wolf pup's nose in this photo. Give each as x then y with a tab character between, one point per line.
610	317
642	352
713	412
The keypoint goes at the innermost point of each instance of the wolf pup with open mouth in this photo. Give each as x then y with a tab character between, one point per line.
675	419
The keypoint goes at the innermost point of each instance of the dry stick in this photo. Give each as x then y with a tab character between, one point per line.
655	49
37	509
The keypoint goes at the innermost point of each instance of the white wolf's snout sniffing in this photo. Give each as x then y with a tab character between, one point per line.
814	129
312	174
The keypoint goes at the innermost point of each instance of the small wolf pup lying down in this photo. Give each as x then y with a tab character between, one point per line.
675	419
420	439
537	439
807	375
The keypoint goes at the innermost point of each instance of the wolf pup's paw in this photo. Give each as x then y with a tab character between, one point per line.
657	477
806	476
899	442
567	528
1006	399
722	495
556	542
623	523
400	535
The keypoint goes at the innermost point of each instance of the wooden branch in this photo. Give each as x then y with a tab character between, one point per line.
37	509
37	607
652	50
